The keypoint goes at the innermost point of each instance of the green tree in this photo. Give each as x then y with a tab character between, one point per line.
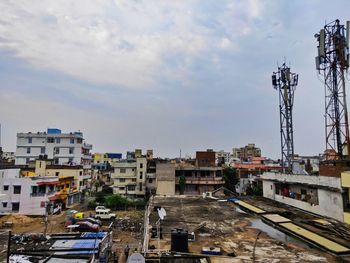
231	178
182	183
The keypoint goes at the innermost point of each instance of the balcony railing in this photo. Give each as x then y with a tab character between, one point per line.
42	194
203	180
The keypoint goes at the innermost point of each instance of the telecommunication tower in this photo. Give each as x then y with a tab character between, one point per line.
332	62
285	82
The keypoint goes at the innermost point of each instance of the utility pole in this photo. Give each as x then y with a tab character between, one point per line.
285	82
332	63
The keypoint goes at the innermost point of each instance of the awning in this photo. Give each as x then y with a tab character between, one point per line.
53	198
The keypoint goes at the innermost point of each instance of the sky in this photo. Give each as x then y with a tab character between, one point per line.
162	75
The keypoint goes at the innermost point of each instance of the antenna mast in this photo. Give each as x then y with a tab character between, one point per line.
285	82
332	62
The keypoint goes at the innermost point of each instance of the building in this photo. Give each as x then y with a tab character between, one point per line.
198	179
8	157
247	152
165	174
102	161
63	148
222	157
151	181
205	158
129	177
32	195
322	195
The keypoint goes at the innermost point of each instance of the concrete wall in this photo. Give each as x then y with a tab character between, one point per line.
269	189
165	174
330	202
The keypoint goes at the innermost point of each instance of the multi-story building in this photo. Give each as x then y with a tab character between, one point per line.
129	177
247	152
63	148
205	158
222	157
101	161
32	195
198	179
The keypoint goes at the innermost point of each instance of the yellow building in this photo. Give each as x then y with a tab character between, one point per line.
345	184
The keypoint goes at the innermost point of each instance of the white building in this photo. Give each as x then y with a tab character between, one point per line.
63	148
226	156
129	177
24	195
320	195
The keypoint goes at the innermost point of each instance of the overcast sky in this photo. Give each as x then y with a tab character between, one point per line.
166	75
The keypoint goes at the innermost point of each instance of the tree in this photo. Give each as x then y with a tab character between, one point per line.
231	178
182	183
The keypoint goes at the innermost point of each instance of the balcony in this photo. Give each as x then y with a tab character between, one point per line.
41	194
124	175
203	180
87	146
151	176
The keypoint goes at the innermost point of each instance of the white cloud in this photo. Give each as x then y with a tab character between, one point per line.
119	43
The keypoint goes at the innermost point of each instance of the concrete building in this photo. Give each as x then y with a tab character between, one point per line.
129	177
198	179
322	195
151	181
205	158
222	156
247	152
63	148
31	195
165	174
8	157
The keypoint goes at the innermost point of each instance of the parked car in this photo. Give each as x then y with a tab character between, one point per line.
91	220
104	214
85	226
100	207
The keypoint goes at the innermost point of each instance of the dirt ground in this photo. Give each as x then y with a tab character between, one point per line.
221	225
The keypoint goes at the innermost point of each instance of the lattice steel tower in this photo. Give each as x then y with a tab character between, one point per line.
285	82
332	62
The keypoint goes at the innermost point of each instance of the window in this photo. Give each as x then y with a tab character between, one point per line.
67	185
133	179
81	173
150	181
140	186
70	160
50	140
141	175
122	170
122	188
57	173
42	150
58	140
4	204
30	140
15	207
57	150
71	150
122	180
6	187
28	150
16	189
27	160
72	140
79	140
55	160
141	165
131	187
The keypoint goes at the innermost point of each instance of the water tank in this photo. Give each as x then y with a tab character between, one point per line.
179	240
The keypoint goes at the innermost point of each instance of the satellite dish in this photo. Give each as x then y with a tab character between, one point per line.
160	214
163	211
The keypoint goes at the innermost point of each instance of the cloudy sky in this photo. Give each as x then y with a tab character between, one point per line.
166	75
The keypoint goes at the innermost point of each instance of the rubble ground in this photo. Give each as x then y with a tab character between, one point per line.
221	225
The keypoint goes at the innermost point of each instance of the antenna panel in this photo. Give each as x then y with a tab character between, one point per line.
321	48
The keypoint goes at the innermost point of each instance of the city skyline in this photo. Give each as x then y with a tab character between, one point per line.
153	75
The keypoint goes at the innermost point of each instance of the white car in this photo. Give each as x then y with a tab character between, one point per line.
102	208
104	214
